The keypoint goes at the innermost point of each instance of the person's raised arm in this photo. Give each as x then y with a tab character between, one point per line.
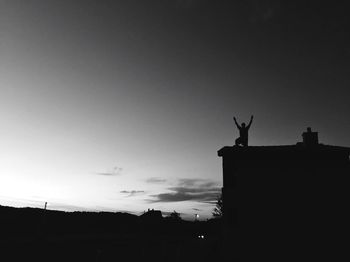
238	126
250	122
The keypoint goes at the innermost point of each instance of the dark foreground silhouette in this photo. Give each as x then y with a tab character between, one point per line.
288	202
30	234
280	203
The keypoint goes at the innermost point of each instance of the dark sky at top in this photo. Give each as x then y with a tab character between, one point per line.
288	62
161	80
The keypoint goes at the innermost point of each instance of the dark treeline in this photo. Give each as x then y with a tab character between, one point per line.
101	236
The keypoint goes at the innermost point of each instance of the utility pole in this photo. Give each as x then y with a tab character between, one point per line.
43	222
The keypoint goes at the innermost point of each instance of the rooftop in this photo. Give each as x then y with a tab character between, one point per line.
308	151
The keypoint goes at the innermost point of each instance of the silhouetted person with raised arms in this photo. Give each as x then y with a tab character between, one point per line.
243	132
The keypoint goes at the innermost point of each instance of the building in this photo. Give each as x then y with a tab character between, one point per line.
287	200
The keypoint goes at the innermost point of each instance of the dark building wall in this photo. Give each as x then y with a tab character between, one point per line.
285	199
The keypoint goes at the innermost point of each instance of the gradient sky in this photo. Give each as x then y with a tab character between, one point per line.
122	105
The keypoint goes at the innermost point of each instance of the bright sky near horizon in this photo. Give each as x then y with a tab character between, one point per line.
107	105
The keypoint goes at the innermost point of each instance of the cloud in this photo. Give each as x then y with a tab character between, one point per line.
196	182
131	193
208	197
199	190
116	171
155	180
194	190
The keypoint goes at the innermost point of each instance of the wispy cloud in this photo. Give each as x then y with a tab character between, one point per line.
199	190
196	182
156	180
207	197
116	171
131	193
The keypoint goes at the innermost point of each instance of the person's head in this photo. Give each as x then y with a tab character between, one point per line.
243	124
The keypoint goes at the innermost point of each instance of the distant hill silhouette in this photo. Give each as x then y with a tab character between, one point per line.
103	236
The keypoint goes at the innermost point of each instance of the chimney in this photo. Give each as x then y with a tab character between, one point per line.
310	138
